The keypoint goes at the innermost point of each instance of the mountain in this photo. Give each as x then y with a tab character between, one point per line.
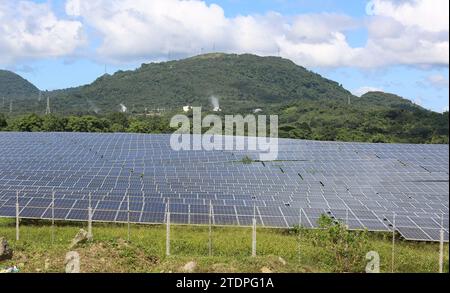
240	82
13	86
309	106
387	100
17	93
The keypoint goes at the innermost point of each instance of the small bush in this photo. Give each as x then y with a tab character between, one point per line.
338	248
247	160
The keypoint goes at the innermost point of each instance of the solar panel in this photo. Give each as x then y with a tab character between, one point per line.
361	184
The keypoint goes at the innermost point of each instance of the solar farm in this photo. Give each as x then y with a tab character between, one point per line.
138	178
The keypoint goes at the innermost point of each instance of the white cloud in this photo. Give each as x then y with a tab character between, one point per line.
438	81
29	30
134	29
404	32
413	32
149	28
365	89
428	15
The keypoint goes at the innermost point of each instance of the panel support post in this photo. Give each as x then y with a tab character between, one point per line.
210	229
168	229
17	217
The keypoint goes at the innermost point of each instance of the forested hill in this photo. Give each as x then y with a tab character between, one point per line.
309	106
13	86
239	82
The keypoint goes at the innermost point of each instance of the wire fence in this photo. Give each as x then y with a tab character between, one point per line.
173	219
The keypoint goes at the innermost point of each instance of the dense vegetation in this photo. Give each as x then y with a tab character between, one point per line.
330	120
343	125
115	122
309	106
12	86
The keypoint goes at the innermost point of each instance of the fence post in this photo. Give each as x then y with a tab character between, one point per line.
300	237
393	244
168	229
346	219
254	233
210	229
17	216
90	236
53	217
441	247
128	216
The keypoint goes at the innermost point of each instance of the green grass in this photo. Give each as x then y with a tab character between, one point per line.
110	252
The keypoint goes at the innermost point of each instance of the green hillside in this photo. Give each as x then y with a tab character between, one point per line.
12	86
309	106
240	82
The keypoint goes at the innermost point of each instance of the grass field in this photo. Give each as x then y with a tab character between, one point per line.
277	250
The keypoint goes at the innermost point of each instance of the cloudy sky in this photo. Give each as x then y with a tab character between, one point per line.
398	46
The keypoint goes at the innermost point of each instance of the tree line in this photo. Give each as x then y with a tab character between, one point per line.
115	122
393	126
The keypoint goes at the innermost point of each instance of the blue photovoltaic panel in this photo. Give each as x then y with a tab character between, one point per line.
361	184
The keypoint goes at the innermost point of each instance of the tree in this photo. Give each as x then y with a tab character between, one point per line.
139	127
77	124
117	128
52	123
378	138
88	124
27	123
3	123
119	119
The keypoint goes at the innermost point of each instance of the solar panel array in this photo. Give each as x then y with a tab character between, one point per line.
361	184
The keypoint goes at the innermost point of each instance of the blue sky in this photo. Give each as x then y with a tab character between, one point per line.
381	46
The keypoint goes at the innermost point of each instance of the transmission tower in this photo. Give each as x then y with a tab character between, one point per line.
48	111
